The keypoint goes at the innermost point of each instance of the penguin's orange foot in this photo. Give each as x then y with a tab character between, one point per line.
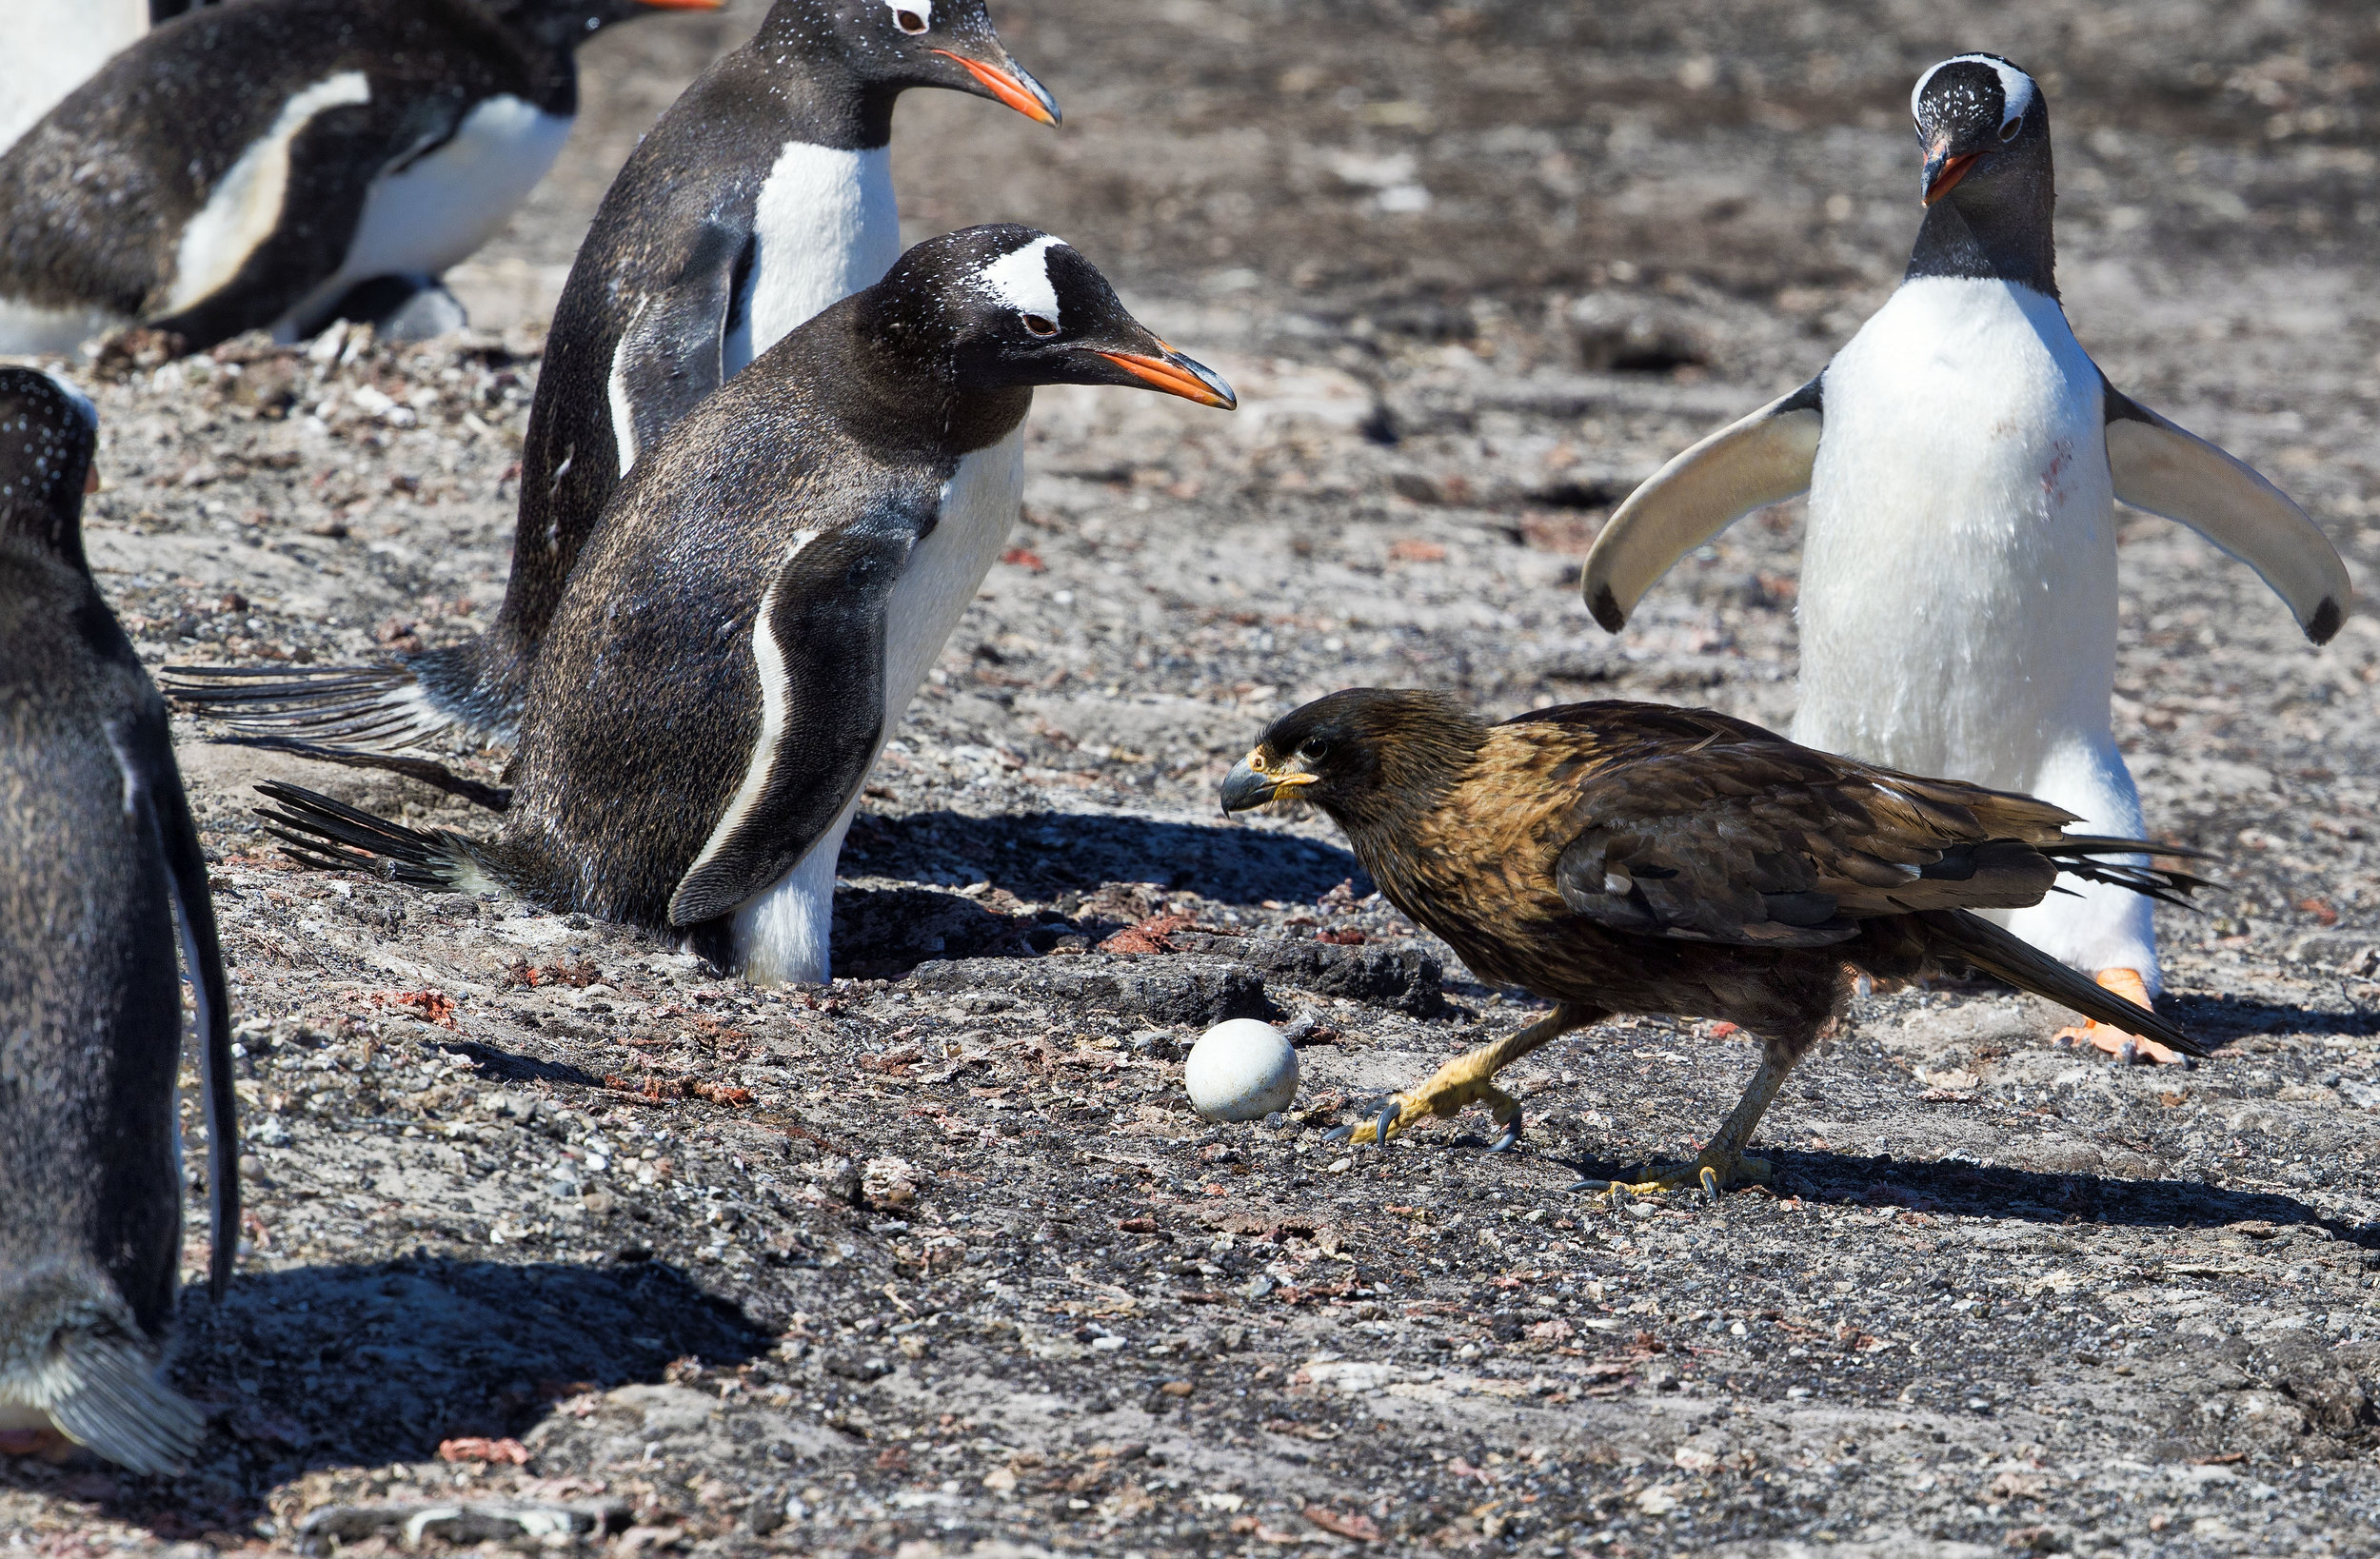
2124	1047
46	1442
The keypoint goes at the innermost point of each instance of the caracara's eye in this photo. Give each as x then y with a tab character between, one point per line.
2008	132
1037	325
1314	749
911	22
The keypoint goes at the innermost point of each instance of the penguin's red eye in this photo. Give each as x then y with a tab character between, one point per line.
908	21
1035	325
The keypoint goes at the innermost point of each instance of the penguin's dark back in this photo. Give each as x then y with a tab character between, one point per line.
694	179
646	705
90	1009
99	191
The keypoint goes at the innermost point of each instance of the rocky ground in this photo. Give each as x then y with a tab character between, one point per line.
558	1242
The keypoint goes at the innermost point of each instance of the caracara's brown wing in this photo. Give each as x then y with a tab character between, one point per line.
1690	824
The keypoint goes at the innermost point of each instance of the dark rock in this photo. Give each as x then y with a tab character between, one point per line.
1170	990
1404	978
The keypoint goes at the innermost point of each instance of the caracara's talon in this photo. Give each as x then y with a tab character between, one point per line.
1387	1122
1509	1139
1710	1170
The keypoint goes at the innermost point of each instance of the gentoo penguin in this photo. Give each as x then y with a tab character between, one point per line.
99	862
248	165
762	196
1963	456
768	590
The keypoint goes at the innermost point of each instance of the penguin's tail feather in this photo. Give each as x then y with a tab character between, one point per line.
331	836
363	708
102	1391
1969	938
2077	855
427	770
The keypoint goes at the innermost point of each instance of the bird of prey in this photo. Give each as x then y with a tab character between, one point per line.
1632	857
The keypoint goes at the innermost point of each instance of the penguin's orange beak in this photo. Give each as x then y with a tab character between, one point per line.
1177	375
90	479
1943	173
1005	84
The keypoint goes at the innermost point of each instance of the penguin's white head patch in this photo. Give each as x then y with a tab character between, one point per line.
2017	89
912	16
1021	279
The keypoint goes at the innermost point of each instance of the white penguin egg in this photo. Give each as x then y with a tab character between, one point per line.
1240	1070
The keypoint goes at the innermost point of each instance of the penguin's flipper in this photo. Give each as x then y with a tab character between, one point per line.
818	643
145	752
2169	471
673	354
1763	459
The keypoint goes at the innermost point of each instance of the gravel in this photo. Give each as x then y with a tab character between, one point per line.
939	1261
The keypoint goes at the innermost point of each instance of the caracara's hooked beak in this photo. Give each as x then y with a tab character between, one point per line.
1943	171
1008	83
1252	781
1178	375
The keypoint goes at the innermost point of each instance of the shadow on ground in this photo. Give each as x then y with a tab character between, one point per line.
1987	1191
362	1365
1041	856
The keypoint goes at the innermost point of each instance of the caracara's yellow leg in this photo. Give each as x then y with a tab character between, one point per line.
1469	1079
2128	1046
1724	1162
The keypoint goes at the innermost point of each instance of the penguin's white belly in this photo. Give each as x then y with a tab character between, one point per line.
429	212
825	226
29	329
782	935
1958	596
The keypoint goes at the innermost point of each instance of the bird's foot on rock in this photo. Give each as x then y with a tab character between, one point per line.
2132	1049
1466	1079
1713	1170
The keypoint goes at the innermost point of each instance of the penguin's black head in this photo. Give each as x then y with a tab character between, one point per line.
565	24
891	45
1023	309
1980	118
48	434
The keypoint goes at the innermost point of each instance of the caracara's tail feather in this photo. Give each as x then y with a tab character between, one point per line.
2077	855
1973	940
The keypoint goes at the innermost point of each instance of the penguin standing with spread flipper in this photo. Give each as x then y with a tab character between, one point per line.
1963	456
765	593
278	164
762	196
99	862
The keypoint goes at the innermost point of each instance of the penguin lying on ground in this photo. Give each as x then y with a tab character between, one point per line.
1963	456
249	166
98	862
762	196
766	591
